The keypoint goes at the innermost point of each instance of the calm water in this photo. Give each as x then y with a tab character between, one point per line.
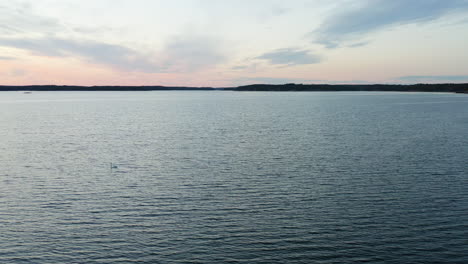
229	177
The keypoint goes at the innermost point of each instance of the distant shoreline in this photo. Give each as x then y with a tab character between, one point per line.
442	87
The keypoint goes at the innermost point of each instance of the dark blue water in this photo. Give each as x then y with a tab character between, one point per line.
229	177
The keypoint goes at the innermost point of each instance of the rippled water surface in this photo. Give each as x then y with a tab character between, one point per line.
231	177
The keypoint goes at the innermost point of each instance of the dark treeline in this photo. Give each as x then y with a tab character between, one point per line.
447	87
97	88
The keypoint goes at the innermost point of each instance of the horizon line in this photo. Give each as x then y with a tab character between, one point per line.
235	86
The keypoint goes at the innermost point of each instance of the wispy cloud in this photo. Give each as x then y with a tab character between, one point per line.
279	11
240	67
113	55
190	53
7	58
290	56
356	19
181	54
433	78
22	28
359	44
17	19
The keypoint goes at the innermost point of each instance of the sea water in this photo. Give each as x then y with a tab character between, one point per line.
233	177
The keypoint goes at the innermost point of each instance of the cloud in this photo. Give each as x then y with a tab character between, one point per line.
290	56
21	28
190	53
17	19
279	11
240	67
357	19
247	67
116	56
433	78
359	44
181	54
7	58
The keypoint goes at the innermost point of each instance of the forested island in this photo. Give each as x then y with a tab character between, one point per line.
449	87
443	87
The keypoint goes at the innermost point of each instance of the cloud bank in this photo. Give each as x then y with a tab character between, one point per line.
357	19
116	56
182	54
21	28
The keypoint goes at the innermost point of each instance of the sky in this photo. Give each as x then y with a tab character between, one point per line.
221	43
